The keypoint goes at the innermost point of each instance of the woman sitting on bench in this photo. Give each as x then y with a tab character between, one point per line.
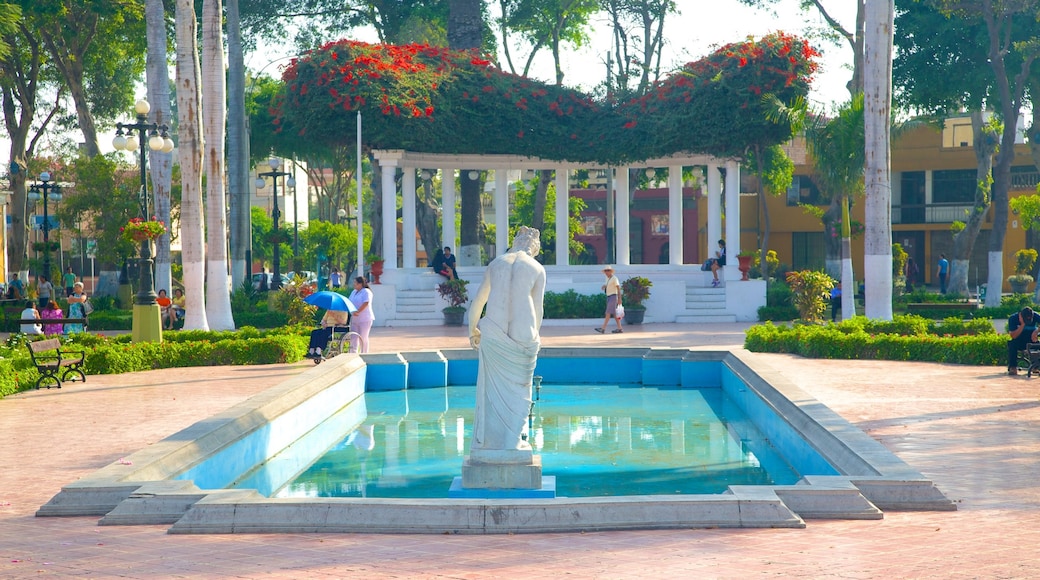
333	320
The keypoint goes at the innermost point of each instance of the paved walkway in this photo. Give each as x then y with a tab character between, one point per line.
972	430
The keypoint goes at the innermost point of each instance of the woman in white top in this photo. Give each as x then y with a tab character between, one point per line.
31	312
613	290
361	321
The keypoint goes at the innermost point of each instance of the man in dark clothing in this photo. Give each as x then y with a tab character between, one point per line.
1022	328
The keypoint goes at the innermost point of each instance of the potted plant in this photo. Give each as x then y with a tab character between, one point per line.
454	291
1024	262
634	292
377	267
139	230
744	262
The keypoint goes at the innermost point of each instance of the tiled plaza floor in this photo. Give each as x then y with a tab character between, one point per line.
972	430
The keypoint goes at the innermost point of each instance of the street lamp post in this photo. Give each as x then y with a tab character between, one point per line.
274	174
45	190
158	140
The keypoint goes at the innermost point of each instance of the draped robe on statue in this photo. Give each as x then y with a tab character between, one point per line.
503	388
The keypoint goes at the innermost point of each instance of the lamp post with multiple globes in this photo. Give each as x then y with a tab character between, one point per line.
274	174
47	191
134	140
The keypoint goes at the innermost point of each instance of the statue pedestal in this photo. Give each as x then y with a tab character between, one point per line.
502	469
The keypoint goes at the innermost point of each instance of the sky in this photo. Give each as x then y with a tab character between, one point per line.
692	34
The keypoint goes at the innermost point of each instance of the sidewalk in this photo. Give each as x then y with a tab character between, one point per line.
970	429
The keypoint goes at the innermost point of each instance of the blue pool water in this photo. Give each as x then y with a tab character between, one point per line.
598	440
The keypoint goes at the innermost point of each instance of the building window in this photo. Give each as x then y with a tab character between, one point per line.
803	191
953	186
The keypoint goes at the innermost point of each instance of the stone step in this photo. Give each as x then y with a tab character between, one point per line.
439	321
705	318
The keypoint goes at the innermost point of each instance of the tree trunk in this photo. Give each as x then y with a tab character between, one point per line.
471	234
964	240
540	194
375	246
21	68
426	220
161	164
238	152
877	108
465	31
832	237
189	109
214	115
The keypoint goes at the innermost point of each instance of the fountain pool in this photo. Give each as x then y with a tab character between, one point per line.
183	480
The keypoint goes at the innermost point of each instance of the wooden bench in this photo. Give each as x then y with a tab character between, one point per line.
51	359
924	307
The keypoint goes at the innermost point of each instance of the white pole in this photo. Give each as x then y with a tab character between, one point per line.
360	230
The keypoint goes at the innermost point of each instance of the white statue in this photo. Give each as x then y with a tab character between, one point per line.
508	342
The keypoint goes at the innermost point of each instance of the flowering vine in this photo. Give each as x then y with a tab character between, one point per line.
440	100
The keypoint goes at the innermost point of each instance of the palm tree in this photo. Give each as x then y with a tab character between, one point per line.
838	155
877	105
161	163
189	107
214	115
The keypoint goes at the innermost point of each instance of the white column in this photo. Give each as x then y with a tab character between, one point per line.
447	208
501	212
675	222
563	193
623	206
408	218
714	211
389	216
732	212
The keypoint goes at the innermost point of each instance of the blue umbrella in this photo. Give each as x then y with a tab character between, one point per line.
330	301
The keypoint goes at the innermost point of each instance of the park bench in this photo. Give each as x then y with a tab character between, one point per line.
51	360
926	307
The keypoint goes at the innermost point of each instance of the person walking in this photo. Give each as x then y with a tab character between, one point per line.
911	271
44	291
612	288
68	280
361	321
943	273
835	301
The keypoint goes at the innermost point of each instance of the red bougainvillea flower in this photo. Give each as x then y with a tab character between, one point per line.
438	100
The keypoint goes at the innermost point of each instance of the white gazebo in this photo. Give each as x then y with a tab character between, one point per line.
681	292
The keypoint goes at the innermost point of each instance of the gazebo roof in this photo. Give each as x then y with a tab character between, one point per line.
478	161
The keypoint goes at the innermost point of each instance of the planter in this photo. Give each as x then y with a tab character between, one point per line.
454	317
744	265
633	316
1018	285
377	271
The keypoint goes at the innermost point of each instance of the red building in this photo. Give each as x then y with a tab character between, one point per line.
648	224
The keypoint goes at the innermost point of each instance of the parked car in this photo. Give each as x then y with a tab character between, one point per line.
270	278
310	279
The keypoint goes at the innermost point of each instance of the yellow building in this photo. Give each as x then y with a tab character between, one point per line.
933	185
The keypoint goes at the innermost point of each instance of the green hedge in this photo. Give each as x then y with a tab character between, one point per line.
181	349
570	304
904	338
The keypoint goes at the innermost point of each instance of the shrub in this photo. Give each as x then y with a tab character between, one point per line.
182	349
811	290
570	305
454	291
635	291
952	341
